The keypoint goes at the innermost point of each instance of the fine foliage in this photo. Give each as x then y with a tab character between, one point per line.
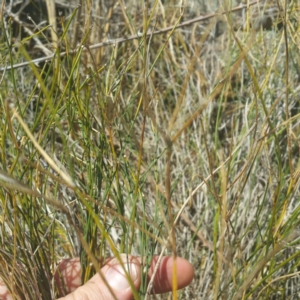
147	128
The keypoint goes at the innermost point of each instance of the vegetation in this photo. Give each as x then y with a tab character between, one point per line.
181	141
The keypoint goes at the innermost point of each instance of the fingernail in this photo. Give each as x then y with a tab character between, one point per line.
116	277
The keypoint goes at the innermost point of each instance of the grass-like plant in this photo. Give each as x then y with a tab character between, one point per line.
147	130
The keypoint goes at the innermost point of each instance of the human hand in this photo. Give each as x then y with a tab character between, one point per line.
96	288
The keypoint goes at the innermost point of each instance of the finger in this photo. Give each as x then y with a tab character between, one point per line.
97	288
4	292
70	273
164	276
67	277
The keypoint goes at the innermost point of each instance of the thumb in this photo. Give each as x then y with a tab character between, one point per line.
112	274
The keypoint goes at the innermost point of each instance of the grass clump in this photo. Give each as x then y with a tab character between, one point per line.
181	140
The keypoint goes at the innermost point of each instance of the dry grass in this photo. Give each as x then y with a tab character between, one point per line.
189	134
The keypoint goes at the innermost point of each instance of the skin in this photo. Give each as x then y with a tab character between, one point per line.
67	278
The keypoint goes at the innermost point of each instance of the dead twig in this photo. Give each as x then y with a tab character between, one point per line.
134	37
